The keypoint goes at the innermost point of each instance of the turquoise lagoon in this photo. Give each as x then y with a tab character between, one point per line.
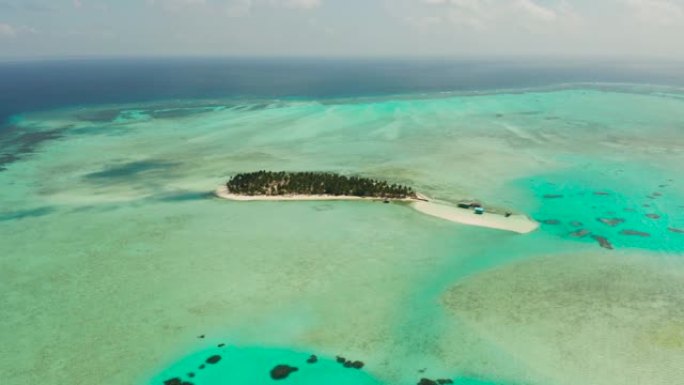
119	267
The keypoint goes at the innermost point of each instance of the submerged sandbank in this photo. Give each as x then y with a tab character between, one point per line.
520	224
581	318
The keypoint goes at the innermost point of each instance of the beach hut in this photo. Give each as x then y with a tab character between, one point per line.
479	210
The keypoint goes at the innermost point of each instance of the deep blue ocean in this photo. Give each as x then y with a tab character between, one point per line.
40	85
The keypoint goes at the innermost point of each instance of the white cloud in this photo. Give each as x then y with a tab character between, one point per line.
484	15
657	12
176	5
298	4
238	8
534	10
232	8
7	30
10	31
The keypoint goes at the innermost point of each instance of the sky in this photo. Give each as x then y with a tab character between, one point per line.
84	28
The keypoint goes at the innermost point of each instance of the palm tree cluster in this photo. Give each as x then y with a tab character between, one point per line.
314	183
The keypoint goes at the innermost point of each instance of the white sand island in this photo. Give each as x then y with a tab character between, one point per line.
520	224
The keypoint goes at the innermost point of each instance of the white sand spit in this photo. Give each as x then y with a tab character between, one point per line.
521	224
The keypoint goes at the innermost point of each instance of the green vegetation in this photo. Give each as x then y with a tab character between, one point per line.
314	183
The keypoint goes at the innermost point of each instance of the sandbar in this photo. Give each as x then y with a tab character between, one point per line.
520	224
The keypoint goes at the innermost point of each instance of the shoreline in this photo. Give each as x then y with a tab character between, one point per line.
520	224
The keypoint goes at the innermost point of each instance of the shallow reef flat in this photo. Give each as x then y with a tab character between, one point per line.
119	258
598	318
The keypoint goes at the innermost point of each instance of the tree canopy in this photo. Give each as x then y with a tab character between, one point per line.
314	183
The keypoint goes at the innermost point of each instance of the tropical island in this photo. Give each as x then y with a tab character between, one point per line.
320	186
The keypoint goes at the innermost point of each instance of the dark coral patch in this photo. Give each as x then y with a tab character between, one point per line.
349	363
603	242
551	222
173	381
312	360
653	216
675	230
427	381
576	224
601	193
635	233
553	196
213	359
612	222
281	372
580	233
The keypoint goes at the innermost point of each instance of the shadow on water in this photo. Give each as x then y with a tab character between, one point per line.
23	214
185	196
131	169
99	116
108	130
168	110
15	143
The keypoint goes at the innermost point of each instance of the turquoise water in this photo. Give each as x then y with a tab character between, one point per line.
119	257
254	365
641	198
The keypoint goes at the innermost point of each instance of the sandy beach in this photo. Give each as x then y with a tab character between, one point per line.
520	224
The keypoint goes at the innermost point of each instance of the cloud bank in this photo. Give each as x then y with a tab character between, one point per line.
342	27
